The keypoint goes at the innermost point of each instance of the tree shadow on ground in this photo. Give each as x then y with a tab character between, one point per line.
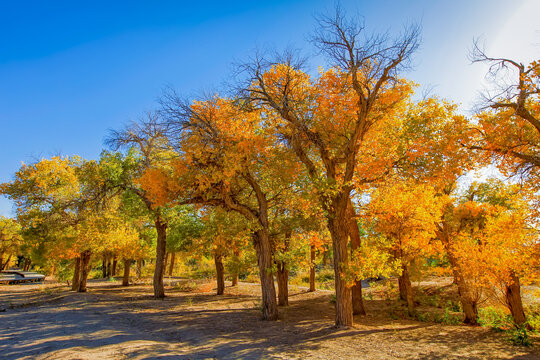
111	323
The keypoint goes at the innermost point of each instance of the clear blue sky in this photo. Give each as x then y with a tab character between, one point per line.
71	70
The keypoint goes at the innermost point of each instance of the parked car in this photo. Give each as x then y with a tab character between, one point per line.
17	276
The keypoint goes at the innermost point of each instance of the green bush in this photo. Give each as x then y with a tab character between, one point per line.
451	319
519	336
533	316
495	318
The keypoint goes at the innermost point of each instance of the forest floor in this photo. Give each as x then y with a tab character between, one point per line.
46	321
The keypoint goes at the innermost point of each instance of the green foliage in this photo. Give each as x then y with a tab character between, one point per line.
184	225
533	316
449	318
333	299
64	270
519	336
495	318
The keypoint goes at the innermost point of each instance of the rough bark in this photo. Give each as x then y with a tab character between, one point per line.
159	270
402	290
312	269
171	265
264	259
514	302
220	273
468	304
85	260
76	274
125	278
406	286
354	233
283	283
339	232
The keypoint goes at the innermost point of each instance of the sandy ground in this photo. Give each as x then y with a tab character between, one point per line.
112	322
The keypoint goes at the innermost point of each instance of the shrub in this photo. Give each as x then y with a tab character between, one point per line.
519	336
495	318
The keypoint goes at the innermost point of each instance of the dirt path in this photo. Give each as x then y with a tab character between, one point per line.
111	322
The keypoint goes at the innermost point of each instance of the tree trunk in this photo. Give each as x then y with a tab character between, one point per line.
406	287
171	266
354	233
125	279
468	304
5	265
312	269
139	268
513	300
283	283
85	260
159	270
220	273
109	267
339	231
76	274
402	290
104	267
114	265
264	259
165	262
235	275
27	263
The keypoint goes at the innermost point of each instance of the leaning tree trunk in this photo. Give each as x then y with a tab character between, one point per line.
5	265
468	304
354	233
159	270
76	274
125	278
513	300
264	260
312	269
283	283
85	260
171	266
339	231
220	273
